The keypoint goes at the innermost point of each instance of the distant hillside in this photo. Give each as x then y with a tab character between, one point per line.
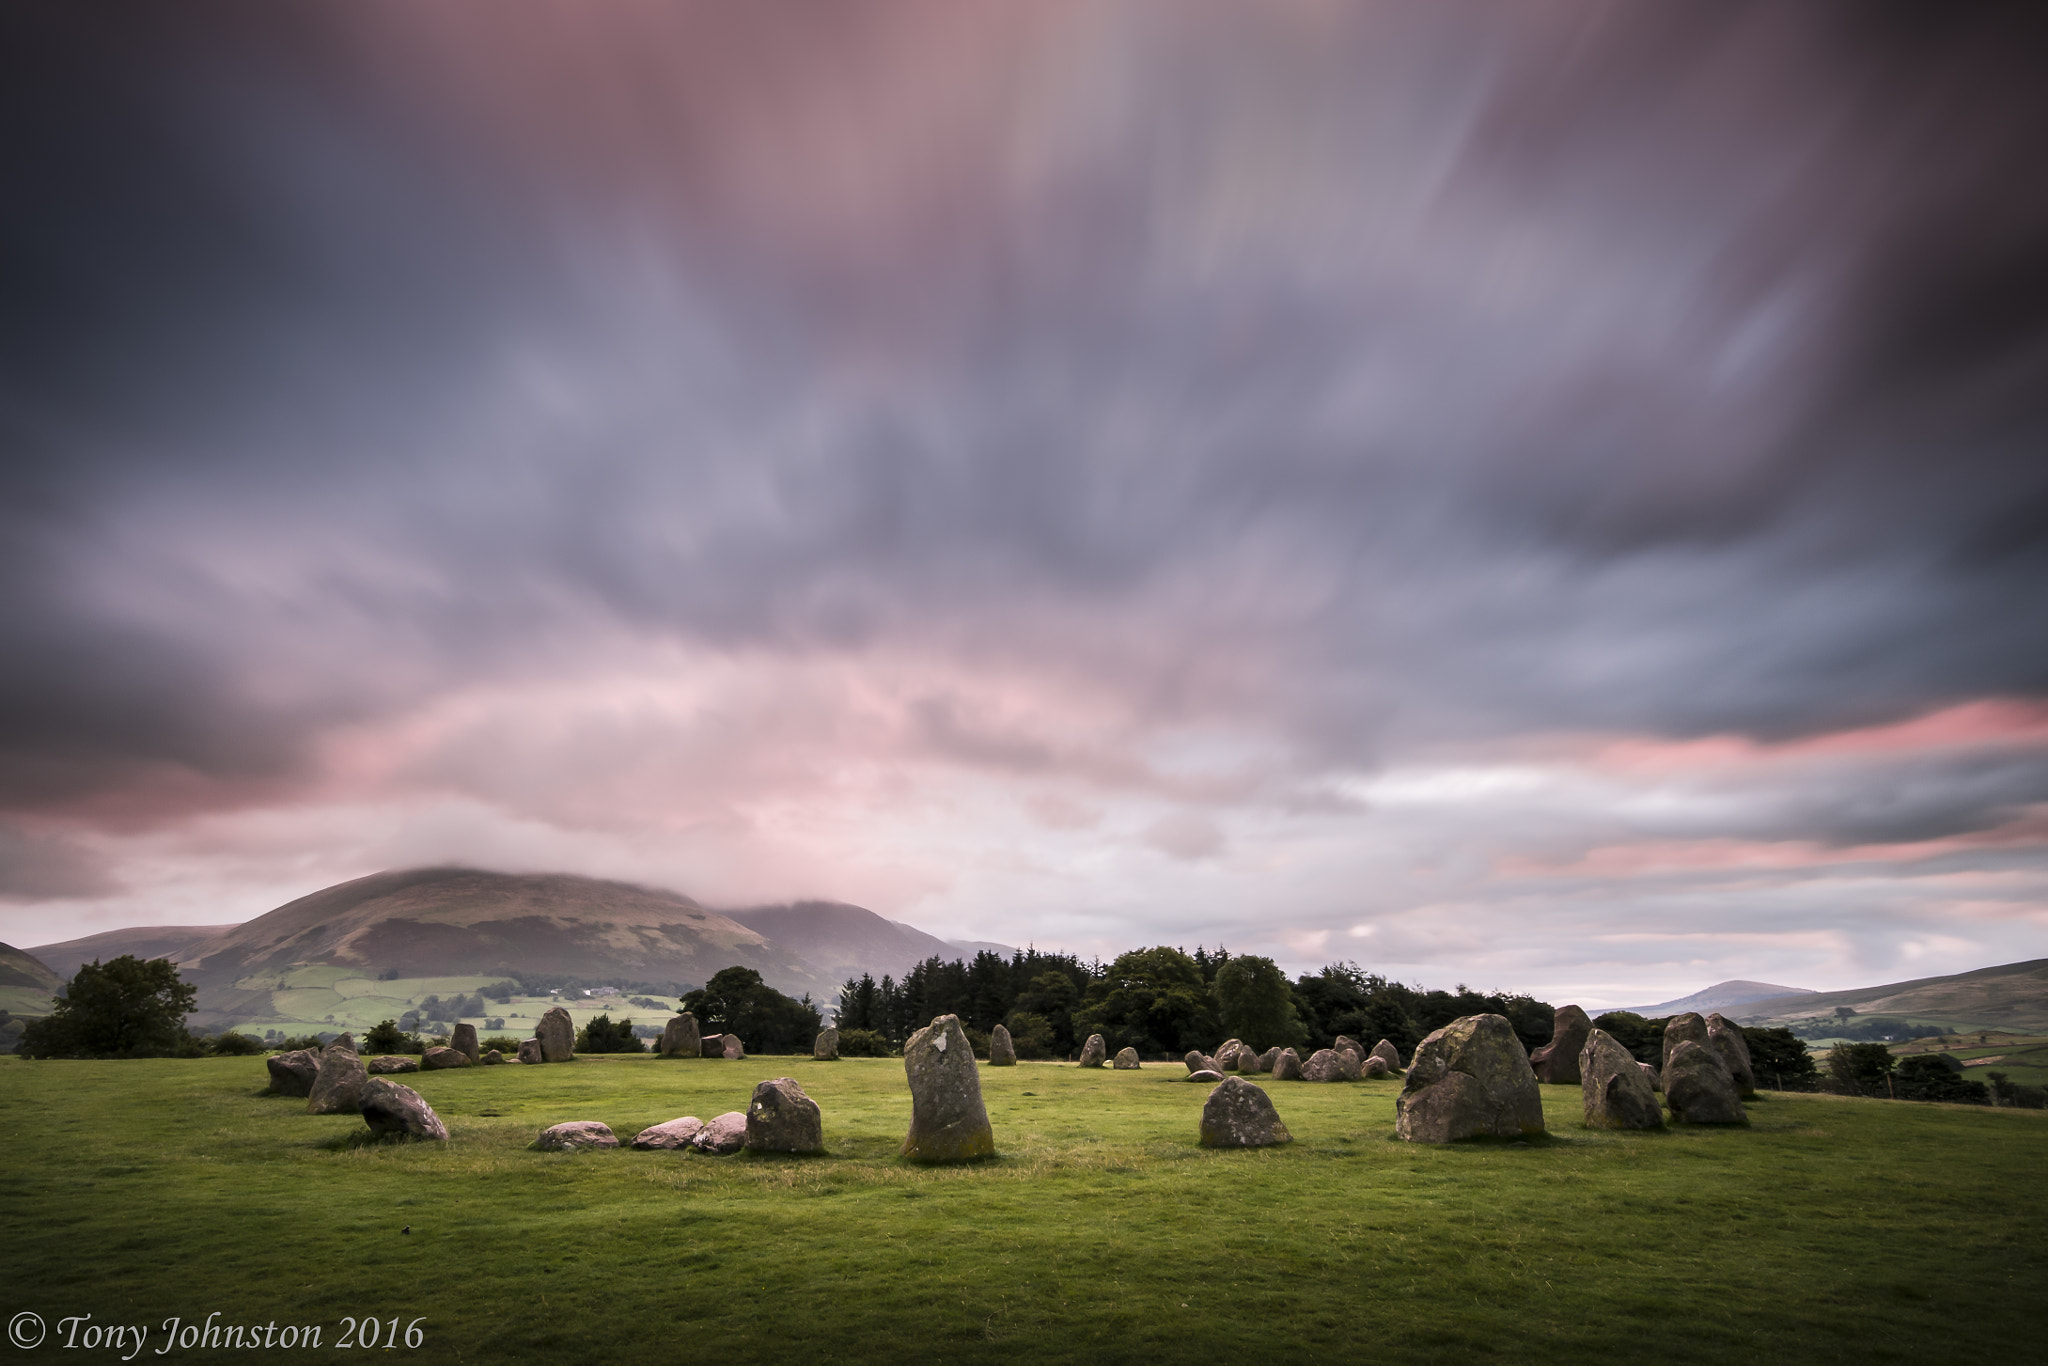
2011	996
1720	996
19	969
844	941
143	941
426	922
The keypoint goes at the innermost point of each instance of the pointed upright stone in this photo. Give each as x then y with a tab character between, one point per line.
1557	1062
1238	1114
679	1037
1387	1053
1468	1079
1126	1060
1611	1081
1287	1067
825	1048
339	1083
557	1035
782	1119
1686	1028
1727	1040
1094	1051
948	1122
1001	1052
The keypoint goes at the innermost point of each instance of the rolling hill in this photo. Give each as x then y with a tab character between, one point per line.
1720	996
2012	996
844	941
143	941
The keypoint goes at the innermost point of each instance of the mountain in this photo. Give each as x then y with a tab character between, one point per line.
843	941
19	969
143	941
1720	996
2010	996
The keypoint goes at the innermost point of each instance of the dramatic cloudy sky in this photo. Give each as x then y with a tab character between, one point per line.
1548	495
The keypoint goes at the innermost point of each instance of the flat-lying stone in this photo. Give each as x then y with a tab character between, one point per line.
1728	1041
948	1122
1287	1067
679	1037
1094	1051
1699	1089
671	1133
529	1051
825	1048
1203	1074
557	1035
574	1134
1002	1050
1238	1114
725	1135
1469	1078
782	1119
1611	1082
1126	1060
395	1111
390	1063
441	1059
1557	1062
340	1081
292	1074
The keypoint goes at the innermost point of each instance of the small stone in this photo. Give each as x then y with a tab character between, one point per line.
529	1051
1557	1062
679	1037
493	1057
734	1050
1698	1087
1002	1052
1616	1093
575	1134
463	1041
1469	1078
1374	1068
292	1074
1126	1060
395	1111
782	1119
825	1048
390	1063
948	1122
1287	1067
557	1035
441	1059
339	1084
725	1135
1203	1074
673	1133
1387	1053
1094	1051
1241	1115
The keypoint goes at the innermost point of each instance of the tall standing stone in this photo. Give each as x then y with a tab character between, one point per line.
782	1119
1469	1078
1238	1114
1727	1040
557	1035
1557	1062
1617	1094
825	1048
1699	1089
339	1084
679	1037
1094	1051
1686	1028
463	1040
1001	1052
948	1122
1126	1060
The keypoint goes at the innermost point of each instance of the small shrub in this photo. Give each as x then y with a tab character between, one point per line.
864	1043
504	1043
602	1035
233	1045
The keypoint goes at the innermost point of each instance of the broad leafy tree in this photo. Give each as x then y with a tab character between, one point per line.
127	1007
737	1001
1153	1000
1255	1003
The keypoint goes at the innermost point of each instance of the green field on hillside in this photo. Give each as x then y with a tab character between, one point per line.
305	1000
1828	1230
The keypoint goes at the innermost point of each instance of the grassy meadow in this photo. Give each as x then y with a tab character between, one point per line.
1829	1230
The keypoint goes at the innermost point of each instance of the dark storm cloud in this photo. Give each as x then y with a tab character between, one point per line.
1676	370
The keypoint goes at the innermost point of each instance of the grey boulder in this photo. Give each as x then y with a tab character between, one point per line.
529	1051
733	1049
825	1048
395	1111
1375	1068
1686	1028
1469	1079
1727	1040
463	1040
1330	1064
1611	1082
1203	1074
1557	1062
1287	1067
1094	1051
441	1059
673	1133
725	1135
1001	1051
1238	1114
1387	1053
1698	1087
575	1134
782	1119
679	1037
948	1122
390	1063
1126	1060
292	1074
340	1081
557	1035
493	1058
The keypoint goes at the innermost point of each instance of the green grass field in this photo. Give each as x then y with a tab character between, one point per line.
1829	1230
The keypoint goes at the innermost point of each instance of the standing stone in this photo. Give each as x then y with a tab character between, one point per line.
440	1059
674	1133
1094	1051
1650	1075
782	1119
1241	1115
463	1040
1001	1052
1265	1062
340	1081
825	1048
1325	1064
713	1046
1686	1028
575	1134
1126	1060
1699	1089
1194	1060
529	1051
724	1135
1387	1053
948	1122
734	1050
1375	1068
1287	1067
1726	1037
679	1037
1469	1078
390	1063
557	1035
1346	1044
1557	1062
1616	1093
292	1074
1226	1056
396	1111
